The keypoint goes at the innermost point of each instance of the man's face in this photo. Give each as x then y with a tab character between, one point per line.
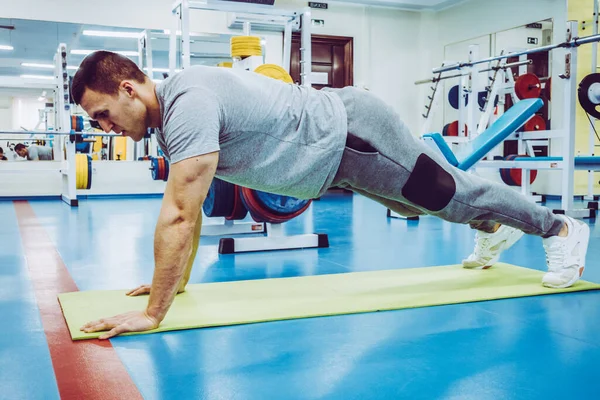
22	153
123	113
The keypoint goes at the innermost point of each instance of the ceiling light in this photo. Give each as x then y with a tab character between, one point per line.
46	66
37	77
168	32
36	65
130	35
124	53
4	47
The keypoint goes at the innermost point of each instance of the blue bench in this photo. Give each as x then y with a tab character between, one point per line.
591	163
503	127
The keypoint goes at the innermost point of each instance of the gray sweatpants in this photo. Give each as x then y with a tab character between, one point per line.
385	162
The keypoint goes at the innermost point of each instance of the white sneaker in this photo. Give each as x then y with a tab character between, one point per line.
489	246
566	256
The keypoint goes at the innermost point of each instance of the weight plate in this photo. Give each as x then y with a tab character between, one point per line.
528	86
278	204
535	123
220	199
239	211
453	96
89	182
154	168
583	94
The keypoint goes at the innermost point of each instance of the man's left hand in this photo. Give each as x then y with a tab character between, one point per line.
134	321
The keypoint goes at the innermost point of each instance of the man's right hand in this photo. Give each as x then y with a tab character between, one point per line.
145	289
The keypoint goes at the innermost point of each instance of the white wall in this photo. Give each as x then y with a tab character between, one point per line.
5	113
384	50
25	113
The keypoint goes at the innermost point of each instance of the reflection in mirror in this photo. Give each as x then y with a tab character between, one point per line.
505	82
27	79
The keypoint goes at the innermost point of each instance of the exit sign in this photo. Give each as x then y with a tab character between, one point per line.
532	40
322	6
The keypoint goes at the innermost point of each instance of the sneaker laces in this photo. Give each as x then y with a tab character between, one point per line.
556	256
482	246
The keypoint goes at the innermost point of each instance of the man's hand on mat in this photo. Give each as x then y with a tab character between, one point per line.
133	321
145	289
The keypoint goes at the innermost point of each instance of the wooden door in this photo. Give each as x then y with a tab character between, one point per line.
332	61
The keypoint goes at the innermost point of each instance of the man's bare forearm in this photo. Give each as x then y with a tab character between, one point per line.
173	251
195	243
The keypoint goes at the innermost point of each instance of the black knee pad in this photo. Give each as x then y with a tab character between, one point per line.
429	185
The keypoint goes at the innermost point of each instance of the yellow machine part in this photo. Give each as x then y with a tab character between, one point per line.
274	71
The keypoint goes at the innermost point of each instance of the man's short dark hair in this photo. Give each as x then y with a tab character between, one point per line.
103	71
1	150
19	147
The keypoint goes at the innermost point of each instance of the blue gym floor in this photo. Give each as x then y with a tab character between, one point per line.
545	347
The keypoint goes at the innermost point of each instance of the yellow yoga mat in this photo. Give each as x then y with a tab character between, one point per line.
241	302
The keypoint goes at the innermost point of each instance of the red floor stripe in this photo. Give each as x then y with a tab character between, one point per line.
87	369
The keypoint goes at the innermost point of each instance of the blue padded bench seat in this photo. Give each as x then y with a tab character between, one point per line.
582	162
503	127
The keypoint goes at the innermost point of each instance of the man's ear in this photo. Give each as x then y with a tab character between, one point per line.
127	87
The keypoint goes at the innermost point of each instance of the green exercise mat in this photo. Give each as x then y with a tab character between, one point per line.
241	302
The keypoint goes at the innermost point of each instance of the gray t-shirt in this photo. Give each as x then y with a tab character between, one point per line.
39	153
271	136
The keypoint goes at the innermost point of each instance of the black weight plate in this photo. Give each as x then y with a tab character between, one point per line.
220	198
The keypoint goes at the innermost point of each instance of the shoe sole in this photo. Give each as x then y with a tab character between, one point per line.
576	277
508	244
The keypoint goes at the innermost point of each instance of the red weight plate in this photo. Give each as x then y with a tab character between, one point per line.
161	168
528	86
259	214
535	123
239	210
453	129
516	173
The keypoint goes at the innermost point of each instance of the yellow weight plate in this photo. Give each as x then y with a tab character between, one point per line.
244	46
81	171
275	72
77	173
84	171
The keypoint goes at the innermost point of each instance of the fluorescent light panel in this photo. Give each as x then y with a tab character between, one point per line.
47	77
112	34
36	65
5	47
46	66
168	32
